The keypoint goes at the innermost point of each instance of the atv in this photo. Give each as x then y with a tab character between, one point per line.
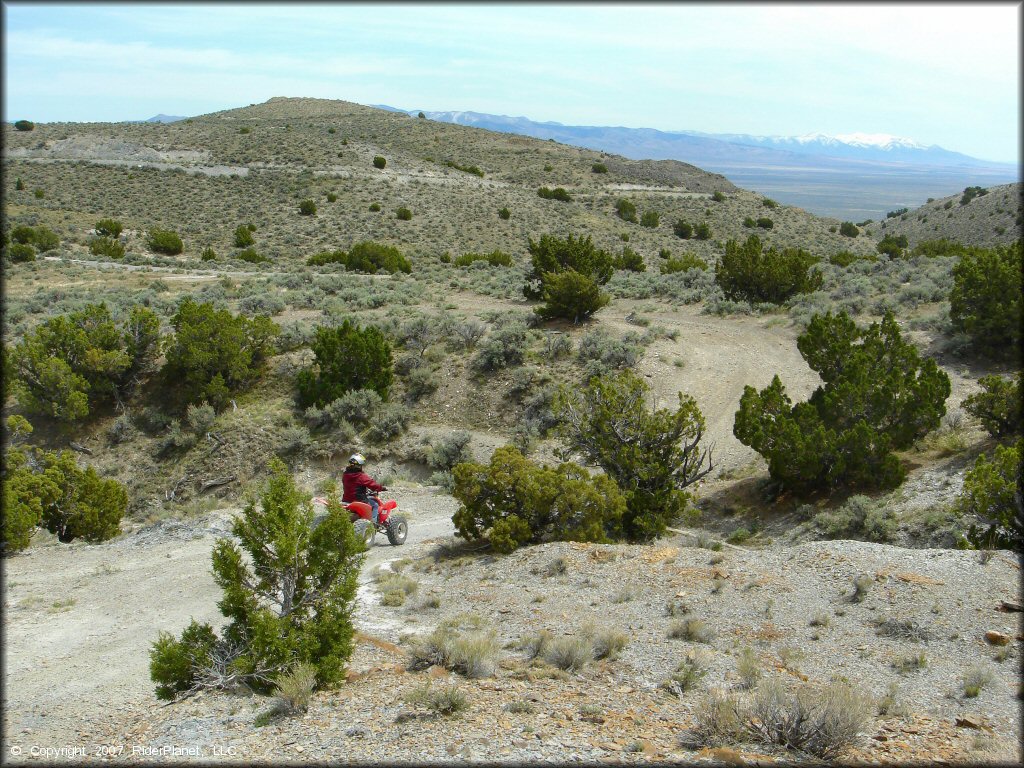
393	526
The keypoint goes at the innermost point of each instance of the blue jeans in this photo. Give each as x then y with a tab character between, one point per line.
375	506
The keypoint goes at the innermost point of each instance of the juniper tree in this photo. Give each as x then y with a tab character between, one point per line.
289	589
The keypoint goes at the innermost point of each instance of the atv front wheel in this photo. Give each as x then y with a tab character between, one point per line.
397	529
364	531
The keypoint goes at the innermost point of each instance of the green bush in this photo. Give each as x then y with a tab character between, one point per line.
999	407
972	192
651	455
208	254
288	600
625	210
512	502
897	212
21	252
41	238
164	241
848	229
250	255
504	213
19	184
702	231
992	492
348	358
571	295
940	247
749	273
331	197
683	229
106	246
650	219
374	207
552	255
985	302
379	162
45	239
765	223
24	125
214	353
70	362
243	237
845	258
24	235
403	214
769	203
599	168
558	193
109	228
494	258
893	246
465	168
50	489
307	208
718	196
630	260
878	396
684	263
367	256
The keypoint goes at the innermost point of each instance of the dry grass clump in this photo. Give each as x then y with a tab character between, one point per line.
748	668
910	663
445	700
904	629
974	679
473	654
687	677
822	722
692	630
573	652
295	688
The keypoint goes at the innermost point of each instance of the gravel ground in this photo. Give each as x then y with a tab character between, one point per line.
77	675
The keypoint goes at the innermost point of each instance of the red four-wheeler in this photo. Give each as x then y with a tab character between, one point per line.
393	526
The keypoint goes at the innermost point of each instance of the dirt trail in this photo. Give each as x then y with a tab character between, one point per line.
80	618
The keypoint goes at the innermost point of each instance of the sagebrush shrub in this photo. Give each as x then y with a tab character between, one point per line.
307	207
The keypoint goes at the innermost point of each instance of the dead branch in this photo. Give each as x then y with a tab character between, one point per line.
80	448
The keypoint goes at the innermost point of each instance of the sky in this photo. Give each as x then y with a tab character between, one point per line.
944	74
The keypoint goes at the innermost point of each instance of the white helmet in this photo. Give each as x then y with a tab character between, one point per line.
357	459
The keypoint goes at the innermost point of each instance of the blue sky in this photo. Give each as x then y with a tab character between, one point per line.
943	74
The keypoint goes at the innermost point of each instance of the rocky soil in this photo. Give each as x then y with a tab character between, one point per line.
80	621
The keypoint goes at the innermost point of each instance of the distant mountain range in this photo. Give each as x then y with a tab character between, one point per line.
161	118
853	176
850	176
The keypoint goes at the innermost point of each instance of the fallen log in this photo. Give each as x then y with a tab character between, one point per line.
215	482
80	448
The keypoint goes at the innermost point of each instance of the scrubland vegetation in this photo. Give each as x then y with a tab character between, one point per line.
247	350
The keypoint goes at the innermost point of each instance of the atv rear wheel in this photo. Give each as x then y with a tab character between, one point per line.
364	531
397	529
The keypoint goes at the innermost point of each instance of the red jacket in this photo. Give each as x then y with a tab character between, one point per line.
357	483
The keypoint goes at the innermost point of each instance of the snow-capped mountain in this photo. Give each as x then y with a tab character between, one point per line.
854	146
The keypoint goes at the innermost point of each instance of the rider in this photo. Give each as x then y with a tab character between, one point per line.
358	484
